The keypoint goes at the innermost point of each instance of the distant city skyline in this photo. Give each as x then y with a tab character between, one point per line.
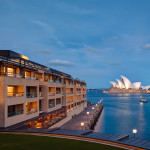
95	40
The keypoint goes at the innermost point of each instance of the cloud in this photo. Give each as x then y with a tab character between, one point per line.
48	29
114	37
74	9
63	63
43	51
147	47
113	64
90	49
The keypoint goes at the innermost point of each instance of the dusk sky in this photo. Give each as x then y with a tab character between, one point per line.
93	40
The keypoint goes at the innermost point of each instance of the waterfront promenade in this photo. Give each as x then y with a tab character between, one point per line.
83	117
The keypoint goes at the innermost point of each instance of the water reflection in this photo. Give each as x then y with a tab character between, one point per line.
122	113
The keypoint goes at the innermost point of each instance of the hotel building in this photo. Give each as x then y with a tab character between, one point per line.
35	96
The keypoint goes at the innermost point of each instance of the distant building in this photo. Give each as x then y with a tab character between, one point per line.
37	96
124	86
125	83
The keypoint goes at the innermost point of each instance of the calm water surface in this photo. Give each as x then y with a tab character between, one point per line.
122	113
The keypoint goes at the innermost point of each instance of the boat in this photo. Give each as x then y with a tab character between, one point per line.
144	100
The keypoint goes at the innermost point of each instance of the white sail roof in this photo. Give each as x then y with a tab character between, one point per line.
126	82
113	83
120	83
136	85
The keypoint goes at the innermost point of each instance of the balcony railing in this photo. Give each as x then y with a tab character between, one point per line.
51	93
40	94
51	105
49	80
31	110
71	92
58	92
41	108
14	75
71	100
10	114
31	95
56	81
57	103
31	77
41	79
15	94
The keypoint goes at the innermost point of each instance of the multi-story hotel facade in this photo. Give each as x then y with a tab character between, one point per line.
36	96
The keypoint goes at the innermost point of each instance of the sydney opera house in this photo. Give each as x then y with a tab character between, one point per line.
126	86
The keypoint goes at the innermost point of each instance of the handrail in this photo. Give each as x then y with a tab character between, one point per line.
15	94
31	95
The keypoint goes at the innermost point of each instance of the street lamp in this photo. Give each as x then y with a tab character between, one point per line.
93	110
82	125
87	117
134	132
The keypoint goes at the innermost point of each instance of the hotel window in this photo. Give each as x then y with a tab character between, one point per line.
10	72
10	91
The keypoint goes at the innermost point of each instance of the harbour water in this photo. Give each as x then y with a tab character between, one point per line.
122	113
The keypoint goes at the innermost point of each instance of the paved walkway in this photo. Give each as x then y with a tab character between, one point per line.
75	123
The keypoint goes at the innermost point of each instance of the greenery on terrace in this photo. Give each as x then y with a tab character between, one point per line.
32	142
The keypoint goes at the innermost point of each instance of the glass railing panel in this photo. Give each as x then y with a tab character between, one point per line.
31	95
40	94
10	114
15	94
31	110
58	92
51	105
51	93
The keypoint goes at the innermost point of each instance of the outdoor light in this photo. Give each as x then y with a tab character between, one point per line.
87	117
82	125
93	110
134	132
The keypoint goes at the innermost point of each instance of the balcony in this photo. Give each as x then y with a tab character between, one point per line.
71	100
10	114
40	94
51	103
15	94
41	108
58	101
14	110
51	93
49	80
15	91
30	77
31	91
56	81
41	79
70	92
31	95
14	75
31	110
58	92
